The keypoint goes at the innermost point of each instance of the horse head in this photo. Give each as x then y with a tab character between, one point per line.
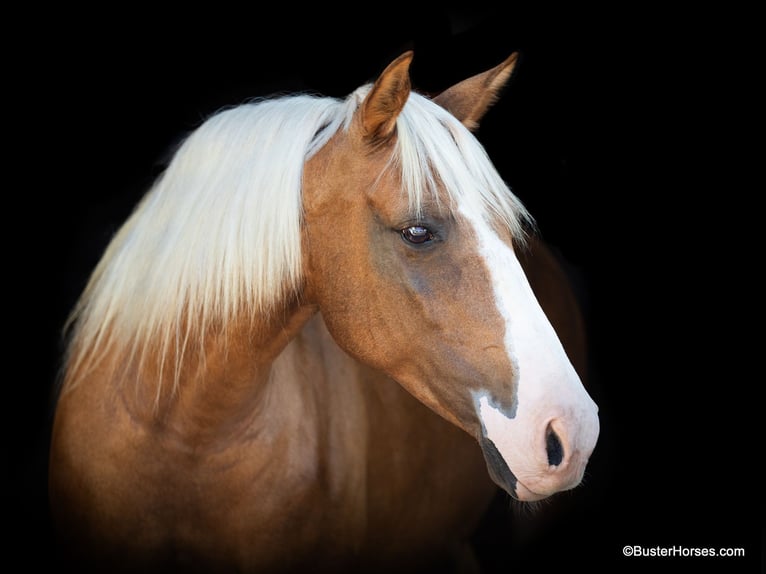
410	244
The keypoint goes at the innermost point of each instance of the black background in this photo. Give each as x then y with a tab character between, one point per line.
610	132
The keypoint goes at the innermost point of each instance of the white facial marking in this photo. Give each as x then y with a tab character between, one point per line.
547	388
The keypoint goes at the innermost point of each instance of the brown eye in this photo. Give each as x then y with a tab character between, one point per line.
417	235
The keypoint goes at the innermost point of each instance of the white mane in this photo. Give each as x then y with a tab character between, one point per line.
218	235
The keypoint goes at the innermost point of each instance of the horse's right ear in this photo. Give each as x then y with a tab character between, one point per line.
470	99
386	99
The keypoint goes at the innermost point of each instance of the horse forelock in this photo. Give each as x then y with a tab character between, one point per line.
437	154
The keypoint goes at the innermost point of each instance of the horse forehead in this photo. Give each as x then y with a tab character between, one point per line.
343	169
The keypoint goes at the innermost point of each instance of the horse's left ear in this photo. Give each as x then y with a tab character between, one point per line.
470	99
386	99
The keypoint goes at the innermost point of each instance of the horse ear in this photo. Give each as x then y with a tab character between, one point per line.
386	99
470	99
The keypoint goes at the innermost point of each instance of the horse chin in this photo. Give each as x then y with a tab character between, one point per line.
502	475
523	494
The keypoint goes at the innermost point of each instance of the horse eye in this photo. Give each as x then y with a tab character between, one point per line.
417	235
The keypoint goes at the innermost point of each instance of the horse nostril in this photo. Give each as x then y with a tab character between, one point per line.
553	448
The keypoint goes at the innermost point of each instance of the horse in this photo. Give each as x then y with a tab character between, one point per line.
325	338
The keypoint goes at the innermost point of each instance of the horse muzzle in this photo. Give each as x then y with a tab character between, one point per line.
533	459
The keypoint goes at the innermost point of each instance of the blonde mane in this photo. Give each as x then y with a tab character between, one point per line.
219	234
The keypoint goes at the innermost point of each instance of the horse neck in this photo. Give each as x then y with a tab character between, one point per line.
220	388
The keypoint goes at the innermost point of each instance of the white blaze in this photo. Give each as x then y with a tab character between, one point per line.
547	388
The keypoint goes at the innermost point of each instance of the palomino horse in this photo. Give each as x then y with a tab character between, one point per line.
313	344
